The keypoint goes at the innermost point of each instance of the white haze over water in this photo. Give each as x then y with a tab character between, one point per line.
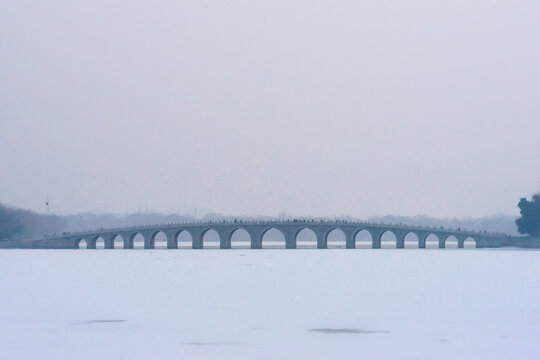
241	107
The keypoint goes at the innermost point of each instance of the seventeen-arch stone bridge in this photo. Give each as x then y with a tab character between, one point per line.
257	229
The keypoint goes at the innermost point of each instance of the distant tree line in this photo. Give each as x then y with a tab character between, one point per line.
17	224
529	222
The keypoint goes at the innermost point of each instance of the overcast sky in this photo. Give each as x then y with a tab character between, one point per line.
257	107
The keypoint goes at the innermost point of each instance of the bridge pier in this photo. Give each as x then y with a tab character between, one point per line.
172	241
461	241
290	237
109	241
197	238
148	240
225	238
376	238
322	240
256	238
91	243
421	239
128	240
350	242
442	243
400	239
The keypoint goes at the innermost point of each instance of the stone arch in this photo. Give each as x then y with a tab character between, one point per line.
451	242
273	238
184	239
411	240
305	238
432	241
469	243
117	241
100	242
136	240
210	239
363	239
388	240
157	240
336	239
81	244
240	239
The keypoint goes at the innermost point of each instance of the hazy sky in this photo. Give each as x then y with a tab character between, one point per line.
257	107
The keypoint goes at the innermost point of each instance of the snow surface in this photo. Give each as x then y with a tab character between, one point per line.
269	304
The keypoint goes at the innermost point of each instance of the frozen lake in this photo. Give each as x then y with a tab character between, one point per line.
269	304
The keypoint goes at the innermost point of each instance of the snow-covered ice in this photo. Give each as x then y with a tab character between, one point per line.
269	304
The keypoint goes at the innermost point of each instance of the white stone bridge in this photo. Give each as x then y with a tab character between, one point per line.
124	237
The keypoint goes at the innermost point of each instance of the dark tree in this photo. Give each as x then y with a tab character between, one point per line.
17	224
529	222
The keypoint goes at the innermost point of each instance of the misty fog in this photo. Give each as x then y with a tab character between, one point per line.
310	107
